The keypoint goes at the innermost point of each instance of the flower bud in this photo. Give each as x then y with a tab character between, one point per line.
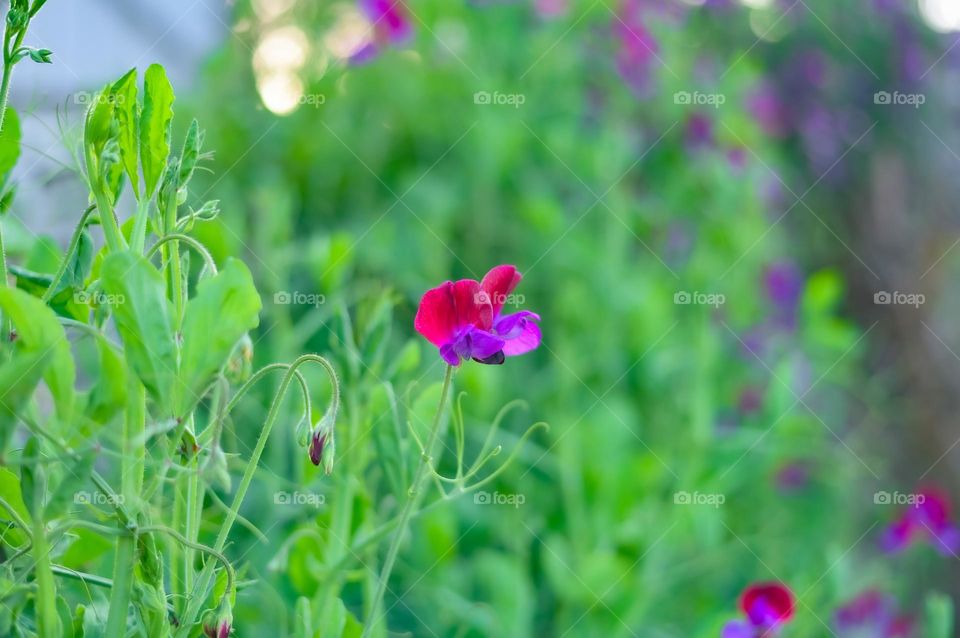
317	442
240	364
218	624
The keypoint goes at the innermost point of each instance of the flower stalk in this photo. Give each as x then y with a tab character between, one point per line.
414	497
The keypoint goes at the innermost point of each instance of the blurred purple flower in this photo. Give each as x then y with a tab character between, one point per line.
551	8
765	105
927	519
637	54
699	131
737	158
793	476
784	285
872	614
750	400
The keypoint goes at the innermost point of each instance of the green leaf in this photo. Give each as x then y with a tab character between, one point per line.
225	308
136	294
128	116
109	395
10	492
63	495
155	125
9	141
18	380
39	332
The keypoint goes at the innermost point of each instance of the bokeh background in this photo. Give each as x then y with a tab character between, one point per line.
736	219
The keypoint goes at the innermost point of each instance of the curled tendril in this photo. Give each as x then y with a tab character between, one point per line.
208	262
134	530
460	480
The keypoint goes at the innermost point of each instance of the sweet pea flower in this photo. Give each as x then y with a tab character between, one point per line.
767	607
463	319
388	22
872	614
927	519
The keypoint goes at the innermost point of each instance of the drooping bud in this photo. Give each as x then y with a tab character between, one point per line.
218	624
317	443
322	444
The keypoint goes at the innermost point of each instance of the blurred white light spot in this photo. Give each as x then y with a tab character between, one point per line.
941	15
281	92
349	34
284	48
756	4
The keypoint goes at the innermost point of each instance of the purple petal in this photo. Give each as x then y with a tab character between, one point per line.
449	354
897	535
519	331
737	629
946	540
483	344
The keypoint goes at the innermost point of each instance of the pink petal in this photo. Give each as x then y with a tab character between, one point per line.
473	308
436	316
498	283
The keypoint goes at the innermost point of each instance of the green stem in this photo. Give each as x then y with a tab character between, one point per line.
122	583
131	487
4	98
48	622
413	500
198	594
108	220
139	236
